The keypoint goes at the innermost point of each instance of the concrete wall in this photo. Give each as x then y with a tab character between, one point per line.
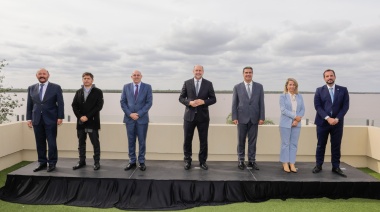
360	145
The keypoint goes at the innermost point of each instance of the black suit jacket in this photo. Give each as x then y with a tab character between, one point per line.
89	108
188	93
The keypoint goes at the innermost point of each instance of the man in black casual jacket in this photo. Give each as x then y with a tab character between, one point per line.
87	103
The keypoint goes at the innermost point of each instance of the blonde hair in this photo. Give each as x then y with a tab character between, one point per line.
295	83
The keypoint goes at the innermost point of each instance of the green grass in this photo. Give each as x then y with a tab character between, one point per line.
291	205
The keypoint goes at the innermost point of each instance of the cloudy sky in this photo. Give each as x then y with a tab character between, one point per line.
164	39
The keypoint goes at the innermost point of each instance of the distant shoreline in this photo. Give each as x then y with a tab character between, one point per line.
19	90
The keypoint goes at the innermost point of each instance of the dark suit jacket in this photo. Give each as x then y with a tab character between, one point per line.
89	108
246	109
188	93
324	106
142	104
52	106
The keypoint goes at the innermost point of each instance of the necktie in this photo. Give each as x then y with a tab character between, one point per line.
41	90
248	91
136	91
197	88
332	95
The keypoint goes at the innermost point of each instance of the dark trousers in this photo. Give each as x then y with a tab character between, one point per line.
46	133
136	131
336	133
94	137
245	130
189	127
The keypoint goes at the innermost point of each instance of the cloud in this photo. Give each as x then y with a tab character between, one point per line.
315	38
198	37
368	37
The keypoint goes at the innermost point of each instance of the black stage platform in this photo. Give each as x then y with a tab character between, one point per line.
166	185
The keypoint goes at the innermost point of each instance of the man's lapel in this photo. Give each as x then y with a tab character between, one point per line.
48	92
139	91
35	92
336	93
244	90
192	87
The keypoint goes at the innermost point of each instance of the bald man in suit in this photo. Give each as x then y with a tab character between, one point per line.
197	94
136	100
44	112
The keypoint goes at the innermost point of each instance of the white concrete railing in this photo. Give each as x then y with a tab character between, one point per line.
360	145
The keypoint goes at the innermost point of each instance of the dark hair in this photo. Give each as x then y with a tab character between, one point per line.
328	71
247	67
88	74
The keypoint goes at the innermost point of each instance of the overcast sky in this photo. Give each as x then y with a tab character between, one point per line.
164	39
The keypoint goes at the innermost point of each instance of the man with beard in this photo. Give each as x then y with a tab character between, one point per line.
331	102
44	112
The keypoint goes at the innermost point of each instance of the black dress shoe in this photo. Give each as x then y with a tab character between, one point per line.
40	167
96	166
142	166
50	168
339	172
253	165
187	165
241	165
79	165
317	169
204	166
130	166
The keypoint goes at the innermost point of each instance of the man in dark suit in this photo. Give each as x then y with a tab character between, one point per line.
248	111
44	112
87	103
136	100
331	102
197	94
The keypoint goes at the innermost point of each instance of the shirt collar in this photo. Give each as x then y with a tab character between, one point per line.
328	87
250	83
45	83
88	89
200	80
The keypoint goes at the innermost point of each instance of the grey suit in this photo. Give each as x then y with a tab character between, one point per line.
248	112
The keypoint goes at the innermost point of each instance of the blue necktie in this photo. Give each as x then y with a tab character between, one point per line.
136	91
41	90
331	95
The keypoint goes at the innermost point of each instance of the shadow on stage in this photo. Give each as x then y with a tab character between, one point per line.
165	185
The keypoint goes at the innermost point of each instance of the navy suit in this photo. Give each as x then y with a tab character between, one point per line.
196	117
136	128
44	115
336	109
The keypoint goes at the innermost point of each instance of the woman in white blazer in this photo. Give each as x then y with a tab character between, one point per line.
292	110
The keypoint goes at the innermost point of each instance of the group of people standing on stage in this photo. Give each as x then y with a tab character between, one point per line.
45	112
